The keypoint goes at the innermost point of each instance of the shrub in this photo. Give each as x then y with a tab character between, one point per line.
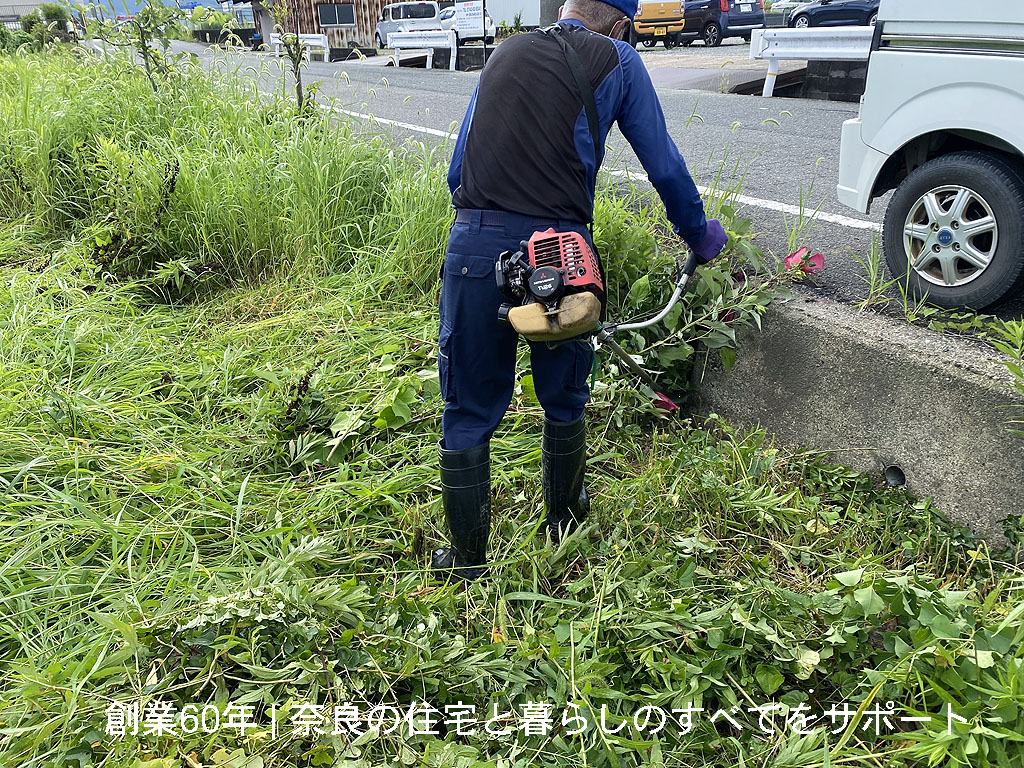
46	24
30	20
54	12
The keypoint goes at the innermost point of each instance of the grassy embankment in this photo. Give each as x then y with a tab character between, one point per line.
218	415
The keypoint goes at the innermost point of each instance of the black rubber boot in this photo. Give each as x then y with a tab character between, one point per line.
466	494
563	464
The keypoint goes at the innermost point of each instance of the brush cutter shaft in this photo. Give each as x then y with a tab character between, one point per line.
643	375
676	294
684	277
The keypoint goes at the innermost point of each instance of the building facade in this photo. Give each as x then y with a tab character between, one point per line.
10	14
347	25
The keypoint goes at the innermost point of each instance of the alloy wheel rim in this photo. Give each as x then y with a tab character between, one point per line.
802	23
950	236
711	36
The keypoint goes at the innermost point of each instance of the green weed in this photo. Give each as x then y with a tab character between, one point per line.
226	496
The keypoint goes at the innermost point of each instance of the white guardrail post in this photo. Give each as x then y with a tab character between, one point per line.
834	44
429	40
318	42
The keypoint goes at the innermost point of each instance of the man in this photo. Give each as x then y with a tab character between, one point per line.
525	161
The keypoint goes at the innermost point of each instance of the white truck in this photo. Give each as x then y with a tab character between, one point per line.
942	124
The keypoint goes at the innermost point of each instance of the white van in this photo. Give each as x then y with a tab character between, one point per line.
406	17
942	123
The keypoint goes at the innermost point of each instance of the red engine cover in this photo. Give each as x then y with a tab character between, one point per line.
569	253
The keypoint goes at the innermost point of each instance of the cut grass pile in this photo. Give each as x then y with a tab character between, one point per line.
218	424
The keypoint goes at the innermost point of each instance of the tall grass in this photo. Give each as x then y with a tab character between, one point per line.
230	500
209	176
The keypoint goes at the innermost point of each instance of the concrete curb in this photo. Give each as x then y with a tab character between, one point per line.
876	392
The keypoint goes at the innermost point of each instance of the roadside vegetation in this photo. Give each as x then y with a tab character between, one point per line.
218	420
890	296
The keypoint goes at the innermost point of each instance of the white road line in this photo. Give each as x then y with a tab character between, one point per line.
756	202
396	123
832	218
774	205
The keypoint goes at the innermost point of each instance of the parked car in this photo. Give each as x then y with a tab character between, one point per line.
787	6
942	124
406	17
448	21
715	20
657	20
835	13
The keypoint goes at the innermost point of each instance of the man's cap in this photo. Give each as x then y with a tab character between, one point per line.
628	7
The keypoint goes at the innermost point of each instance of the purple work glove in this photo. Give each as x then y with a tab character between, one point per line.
713	243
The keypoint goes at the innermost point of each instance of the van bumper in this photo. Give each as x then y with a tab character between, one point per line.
648	28
741	29
859	166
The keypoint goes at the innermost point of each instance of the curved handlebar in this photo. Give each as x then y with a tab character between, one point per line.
684	277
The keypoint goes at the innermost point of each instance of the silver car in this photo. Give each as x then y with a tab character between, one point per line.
448	22
406	17
786	6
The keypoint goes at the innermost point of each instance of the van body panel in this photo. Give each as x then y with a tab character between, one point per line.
739	20
421	15
659	19
945	67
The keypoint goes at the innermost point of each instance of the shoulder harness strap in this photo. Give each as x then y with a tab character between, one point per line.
579	74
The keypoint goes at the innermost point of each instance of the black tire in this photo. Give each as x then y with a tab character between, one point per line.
995	185
488	41
649	42
795	22
670	42
712	35
380	43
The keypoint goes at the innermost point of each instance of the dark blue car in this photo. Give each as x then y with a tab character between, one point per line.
714	20
835	13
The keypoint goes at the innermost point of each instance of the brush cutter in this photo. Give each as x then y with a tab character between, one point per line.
555	281
605	333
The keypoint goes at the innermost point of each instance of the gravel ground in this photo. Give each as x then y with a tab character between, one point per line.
733	53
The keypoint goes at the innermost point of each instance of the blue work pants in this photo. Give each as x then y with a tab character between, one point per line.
477	351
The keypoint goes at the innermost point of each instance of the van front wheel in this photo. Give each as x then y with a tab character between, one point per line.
953	233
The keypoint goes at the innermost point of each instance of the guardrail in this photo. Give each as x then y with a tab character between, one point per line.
835	44
312	42
428	40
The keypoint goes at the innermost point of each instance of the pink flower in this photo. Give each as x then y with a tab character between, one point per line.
664	404
795	259
808	266
814	264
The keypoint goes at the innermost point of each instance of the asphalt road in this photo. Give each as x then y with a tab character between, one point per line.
781	154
